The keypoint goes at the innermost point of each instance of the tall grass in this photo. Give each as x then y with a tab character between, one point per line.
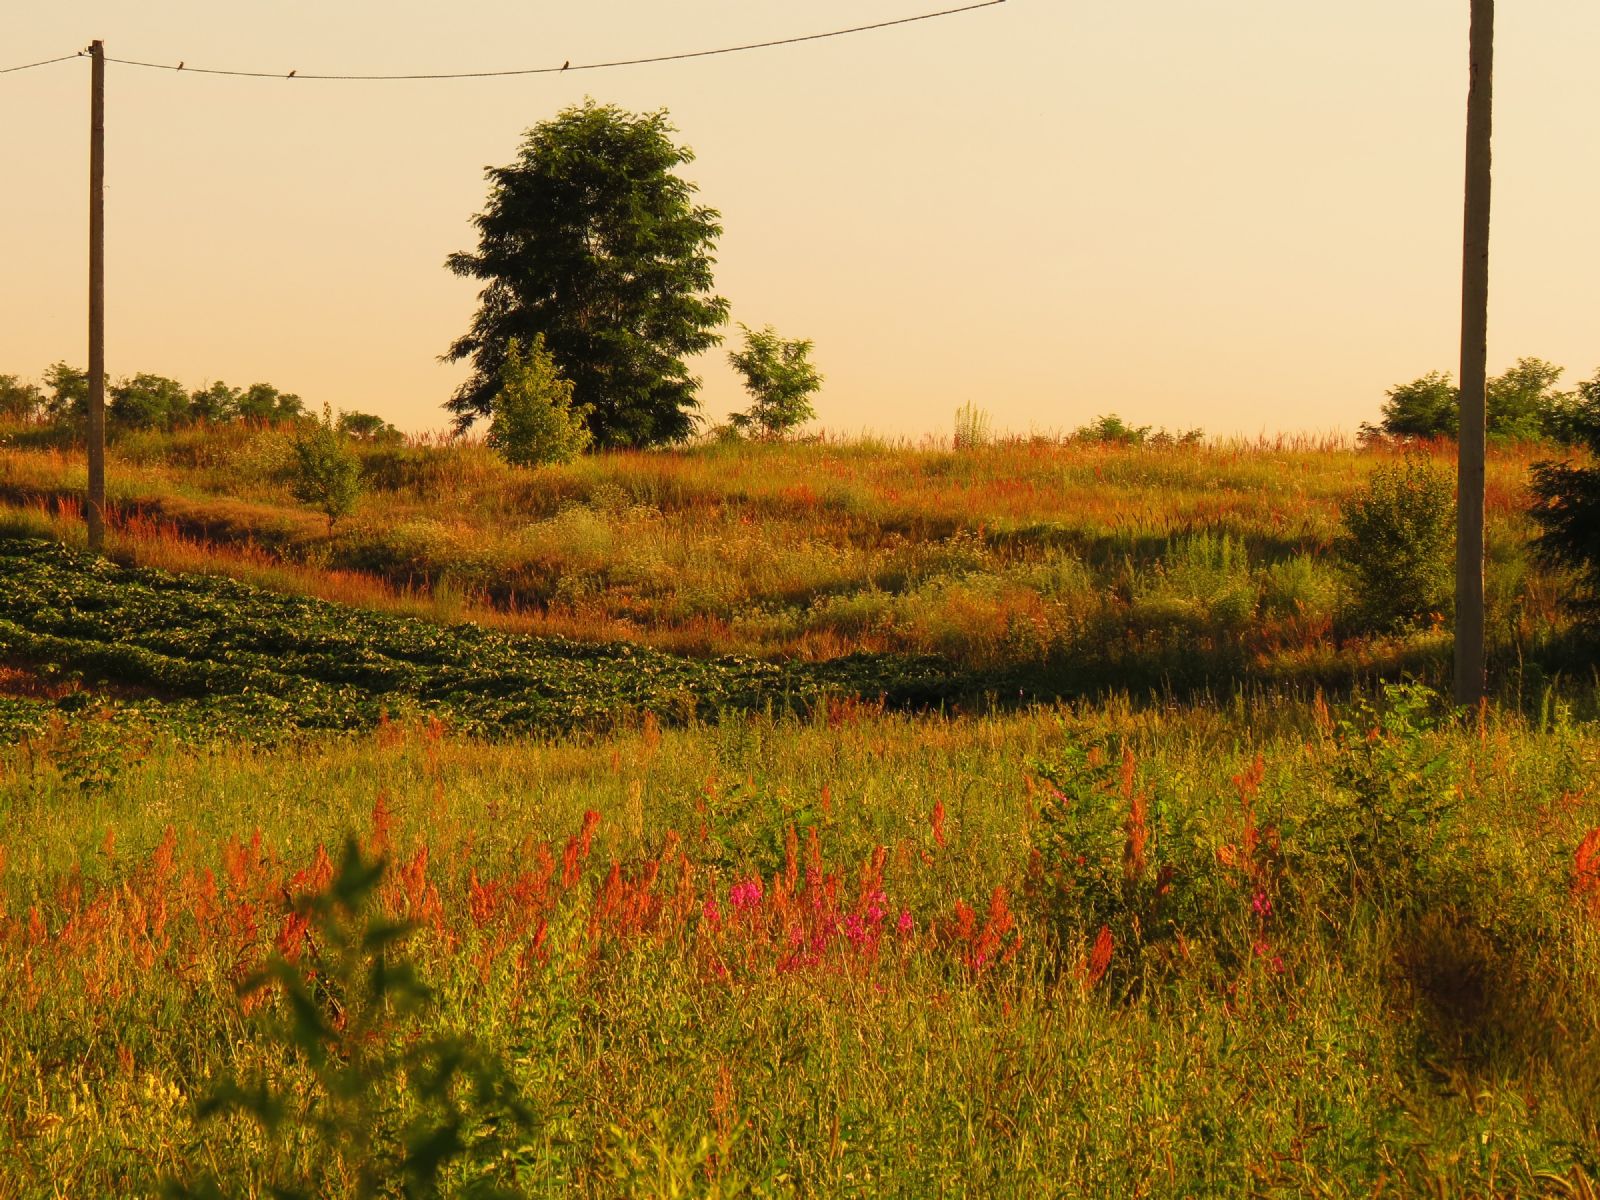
814	958
1023	551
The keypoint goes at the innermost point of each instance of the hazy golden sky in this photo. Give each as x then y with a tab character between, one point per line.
1238	214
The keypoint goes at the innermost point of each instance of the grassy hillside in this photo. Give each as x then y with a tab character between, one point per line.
1150	560
780	821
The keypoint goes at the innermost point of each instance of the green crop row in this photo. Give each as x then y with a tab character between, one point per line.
202	650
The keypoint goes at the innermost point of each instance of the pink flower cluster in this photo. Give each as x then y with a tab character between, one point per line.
746	894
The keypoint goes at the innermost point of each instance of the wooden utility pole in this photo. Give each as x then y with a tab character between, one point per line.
1474	362
95	509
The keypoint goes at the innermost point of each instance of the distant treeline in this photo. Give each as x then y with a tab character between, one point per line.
1524	404
146	401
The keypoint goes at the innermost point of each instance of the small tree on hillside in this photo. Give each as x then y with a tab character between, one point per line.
68	396
1522	402
779	376
216	402
19	401
263	402
325	473
1396	544
1425	407
533	420
1567	502
149	402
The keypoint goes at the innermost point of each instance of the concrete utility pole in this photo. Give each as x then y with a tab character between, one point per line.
95	509
1470	681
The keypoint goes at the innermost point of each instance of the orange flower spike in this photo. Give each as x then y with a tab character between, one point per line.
591	822
1099	958
569	863
544	865
161	860
482	900
1133	854
382	826
791	859
291	938
1000	915
1127	774
1586	872
937	821
813	855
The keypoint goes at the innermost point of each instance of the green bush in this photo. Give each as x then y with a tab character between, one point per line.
1567	502
533	421
326	472
1396	545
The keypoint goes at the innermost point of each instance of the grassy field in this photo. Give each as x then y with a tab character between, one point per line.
1209	908
1139	563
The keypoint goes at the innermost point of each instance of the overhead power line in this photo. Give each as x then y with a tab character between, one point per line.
43	62
564	67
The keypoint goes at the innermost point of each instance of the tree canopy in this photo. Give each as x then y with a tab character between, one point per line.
592	239
1521	404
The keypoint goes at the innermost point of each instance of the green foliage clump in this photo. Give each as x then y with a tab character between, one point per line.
148	402
365	427
366	1100
19	400
779	376
145	401
1112	430
1520	404
325	472
592	238
1387	819
1424	408
1567	501
68	397
1396	541
533	421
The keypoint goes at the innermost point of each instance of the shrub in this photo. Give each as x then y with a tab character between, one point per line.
533	420
1567	502
1112	430
1396	543
325	472
780	379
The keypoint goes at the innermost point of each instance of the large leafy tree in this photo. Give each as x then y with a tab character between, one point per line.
592	239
